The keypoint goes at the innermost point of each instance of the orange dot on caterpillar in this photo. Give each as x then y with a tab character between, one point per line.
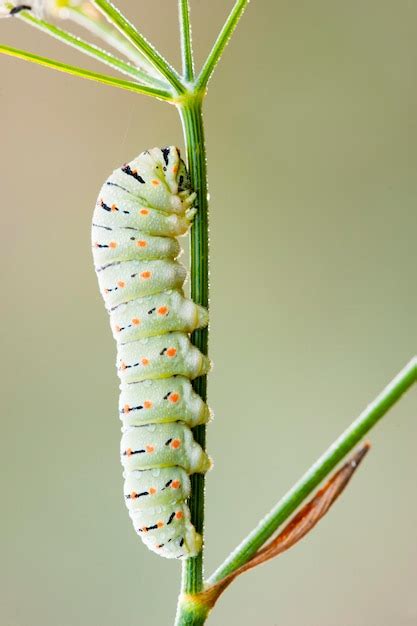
121	284
150	449
147	404
112	245
163	310
171	352
135	321
146	275
142	243
144	211
144	361
175	443
152	490
174	397
175	484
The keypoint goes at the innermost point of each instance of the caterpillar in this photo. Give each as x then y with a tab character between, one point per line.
141	210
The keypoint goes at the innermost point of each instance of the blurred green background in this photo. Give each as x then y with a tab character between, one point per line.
312	147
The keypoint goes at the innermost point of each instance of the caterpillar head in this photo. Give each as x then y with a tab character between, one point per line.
158	178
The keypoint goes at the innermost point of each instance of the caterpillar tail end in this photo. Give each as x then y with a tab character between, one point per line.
189	546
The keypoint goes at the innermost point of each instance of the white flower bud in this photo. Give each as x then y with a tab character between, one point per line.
60	8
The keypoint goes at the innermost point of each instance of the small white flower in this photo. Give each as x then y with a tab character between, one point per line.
59	8
8	8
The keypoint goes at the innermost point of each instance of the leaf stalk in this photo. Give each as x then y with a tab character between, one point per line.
319	471
83	73
91	50
116	18
220	44
186	43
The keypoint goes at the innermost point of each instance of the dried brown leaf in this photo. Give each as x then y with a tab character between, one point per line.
300	525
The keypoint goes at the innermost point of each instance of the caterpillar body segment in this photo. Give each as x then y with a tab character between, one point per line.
160	357
132	246
138	218
162	445
158	401
167	530
150	488
154	315
122	282
141	209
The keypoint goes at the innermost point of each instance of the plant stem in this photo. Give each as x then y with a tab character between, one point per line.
81	72
91	50
220	44
138	40
186	45
84	16
192	121
313	477
191	612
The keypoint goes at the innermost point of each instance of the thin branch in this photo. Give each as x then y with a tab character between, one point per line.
318	472
193	129
220	44
129	31
186	43
91	50
87	16
79	71
299	526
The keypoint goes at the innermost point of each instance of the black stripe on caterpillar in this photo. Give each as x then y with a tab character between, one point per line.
141	209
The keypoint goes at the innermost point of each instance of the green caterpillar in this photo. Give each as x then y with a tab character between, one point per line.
142	208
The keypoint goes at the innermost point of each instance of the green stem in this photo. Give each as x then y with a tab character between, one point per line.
134	36
99	27
186	45
314	476
82	73
192	121
91	50
191	612
220	44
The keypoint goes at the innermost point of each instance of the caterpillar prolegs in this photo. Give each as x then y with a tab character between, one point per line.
141	210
